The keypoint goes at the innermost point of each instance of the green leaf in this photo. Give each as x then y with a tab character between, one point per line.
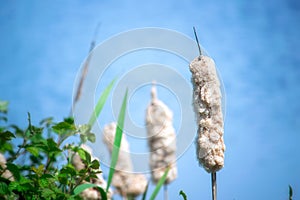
81	154
6	135
13	185
95	164
81	188
290	192
39	171
33	150
84	129
3	188
52	146
43	182
19	132
83	138
91	137
23	184
3	118
183	194
48	176
101	103
84	155
3	106
63	178
145	192
48	194
117	141
159	184
14	169
62	127
69	169
69	120
47	121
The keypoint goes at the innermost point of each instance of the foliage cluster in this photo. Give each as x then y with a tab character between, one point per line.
40	167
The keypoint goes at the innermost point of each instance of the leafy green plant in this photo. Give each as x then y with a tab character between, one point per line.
117	143
39	158
40	166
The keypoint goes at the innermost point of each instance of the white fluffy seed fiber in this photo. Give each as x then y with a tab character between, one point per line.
124	180
207	99
161	139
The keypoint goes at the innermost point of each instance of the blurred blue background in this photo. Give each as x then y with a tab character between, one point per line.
254	43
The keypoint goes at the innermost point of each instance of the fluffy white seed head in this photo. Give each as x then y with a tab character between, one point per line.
161	139
124	180
207	99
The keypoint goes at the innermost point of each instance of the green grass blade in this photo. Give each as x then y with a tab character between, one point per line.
117	141
183	194
290	192
81	188
101	102
160	184
145	193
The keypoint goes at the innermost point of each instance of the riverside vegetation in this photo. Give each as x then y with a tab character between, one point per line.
38	162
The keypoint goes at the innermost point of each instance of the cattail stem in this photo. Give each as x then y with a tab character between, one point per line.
214	185
84	70
196	37
165	192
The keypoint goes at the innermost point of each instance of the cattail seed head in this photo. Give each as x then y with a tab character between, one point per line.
161	139
125	181
207	99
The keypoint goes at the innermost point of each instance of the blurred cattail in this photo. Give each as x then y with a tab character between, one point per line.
91	193
3	171
162	139
125	181
207	99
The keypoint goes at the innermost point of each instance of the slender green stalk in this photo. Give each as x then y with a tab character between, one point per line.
101	102
117	141
145	193
159	184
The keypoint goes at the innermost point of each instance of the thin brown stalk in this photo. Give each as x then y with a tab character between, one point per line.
196	37
214	185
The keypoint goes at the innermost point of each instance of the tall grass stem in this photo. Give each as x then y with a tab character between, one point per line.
214	185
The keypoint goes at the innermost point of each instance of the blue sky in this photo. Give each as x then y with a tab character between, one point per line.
255	45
